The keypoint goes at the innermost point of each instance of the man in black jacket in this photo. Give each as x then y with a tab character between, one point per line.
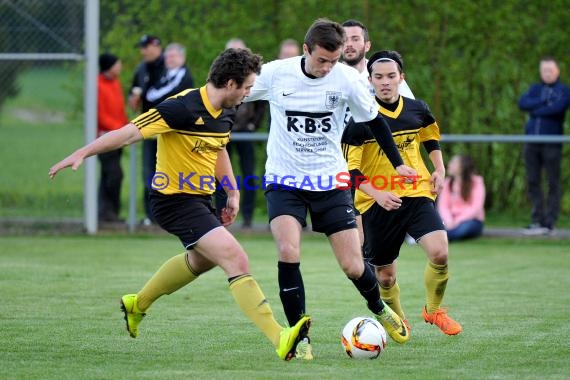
148	74
546	103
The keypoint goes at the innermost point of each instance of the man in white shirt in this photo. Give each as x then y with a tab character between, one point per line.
308	96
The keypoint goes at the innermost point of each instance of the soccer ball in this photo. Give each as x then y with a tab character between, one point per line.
363	338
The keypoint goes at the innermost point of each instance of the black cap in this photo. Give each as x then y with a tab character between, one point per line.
146	40
106	61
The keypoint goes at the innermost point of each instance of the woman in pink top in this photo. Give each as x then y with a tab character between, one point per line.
462	200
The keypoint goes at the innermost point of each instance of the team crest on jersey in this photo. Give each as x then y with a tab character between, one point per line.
332	99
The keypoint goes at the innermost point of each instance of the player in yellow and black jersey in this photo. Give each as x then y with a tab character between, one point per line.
193	128
391	206
187	161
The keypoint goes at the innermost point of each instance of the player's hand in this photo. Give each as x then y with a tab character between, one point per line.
411	175
436	180
387	200
226	217
75	160
229	213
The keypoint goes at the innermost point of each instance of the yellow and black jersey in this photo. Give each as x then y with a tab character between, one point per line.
411	123
191	133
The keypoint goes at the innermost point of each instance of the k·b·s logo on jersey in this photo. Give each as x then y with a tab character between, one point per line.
308	122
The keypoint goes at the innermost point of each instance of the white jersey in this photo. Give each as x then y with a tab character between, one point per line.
307	115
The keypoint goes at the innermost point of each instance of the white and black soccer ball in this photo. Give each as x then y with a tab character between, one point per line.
363	338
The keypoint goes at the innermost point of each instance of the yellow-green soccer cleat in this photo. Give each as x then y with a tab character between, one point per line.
393	325
291	336
133	316
304	349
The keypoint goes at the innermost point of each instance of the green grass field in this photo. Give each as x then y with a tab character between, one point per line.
60	316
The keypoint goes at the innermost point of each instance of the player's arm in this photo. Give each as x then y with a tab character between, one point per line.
444	205
383	135
430	136
110	141
225	174
438	175
385	199
352	146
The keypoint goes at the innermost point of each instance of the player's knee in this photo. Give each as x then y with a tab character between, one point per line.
352	268
387	281
231	255
386	278
288	252
439	256
239	260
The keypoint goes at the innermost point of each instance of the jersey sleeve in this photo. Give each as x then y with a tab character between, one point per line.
151	123
362	105
262	84
168	115
430	129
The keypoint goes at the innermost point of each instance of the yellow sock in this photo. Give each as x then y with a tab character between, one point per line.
252	302
435	278
391	296
171	276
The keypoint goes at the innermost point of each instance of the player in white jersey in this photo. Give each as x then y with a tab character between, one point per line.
308	96
354	55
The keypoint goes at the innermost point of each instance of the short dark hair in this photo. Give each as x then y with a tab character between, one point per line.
351	22
549	58
236	64
385	55
325	33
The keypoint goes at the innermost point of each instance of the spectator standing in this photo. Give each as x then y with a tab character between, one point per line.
148	74
546	103
111	115
176	78
461	202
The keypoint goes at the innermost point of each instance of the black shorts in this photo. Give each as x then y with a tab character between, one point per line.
385	231
187	216
331	211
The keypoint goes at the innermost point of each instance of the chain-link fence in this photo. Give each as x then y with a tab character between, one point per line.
41	106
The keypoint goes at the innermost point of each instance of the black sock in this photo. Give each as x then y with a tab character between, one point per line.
291	291
368	287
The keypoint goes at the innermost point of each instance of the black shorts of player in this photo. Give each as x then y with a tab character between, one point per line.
331	211
187	216
352	194
385	231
